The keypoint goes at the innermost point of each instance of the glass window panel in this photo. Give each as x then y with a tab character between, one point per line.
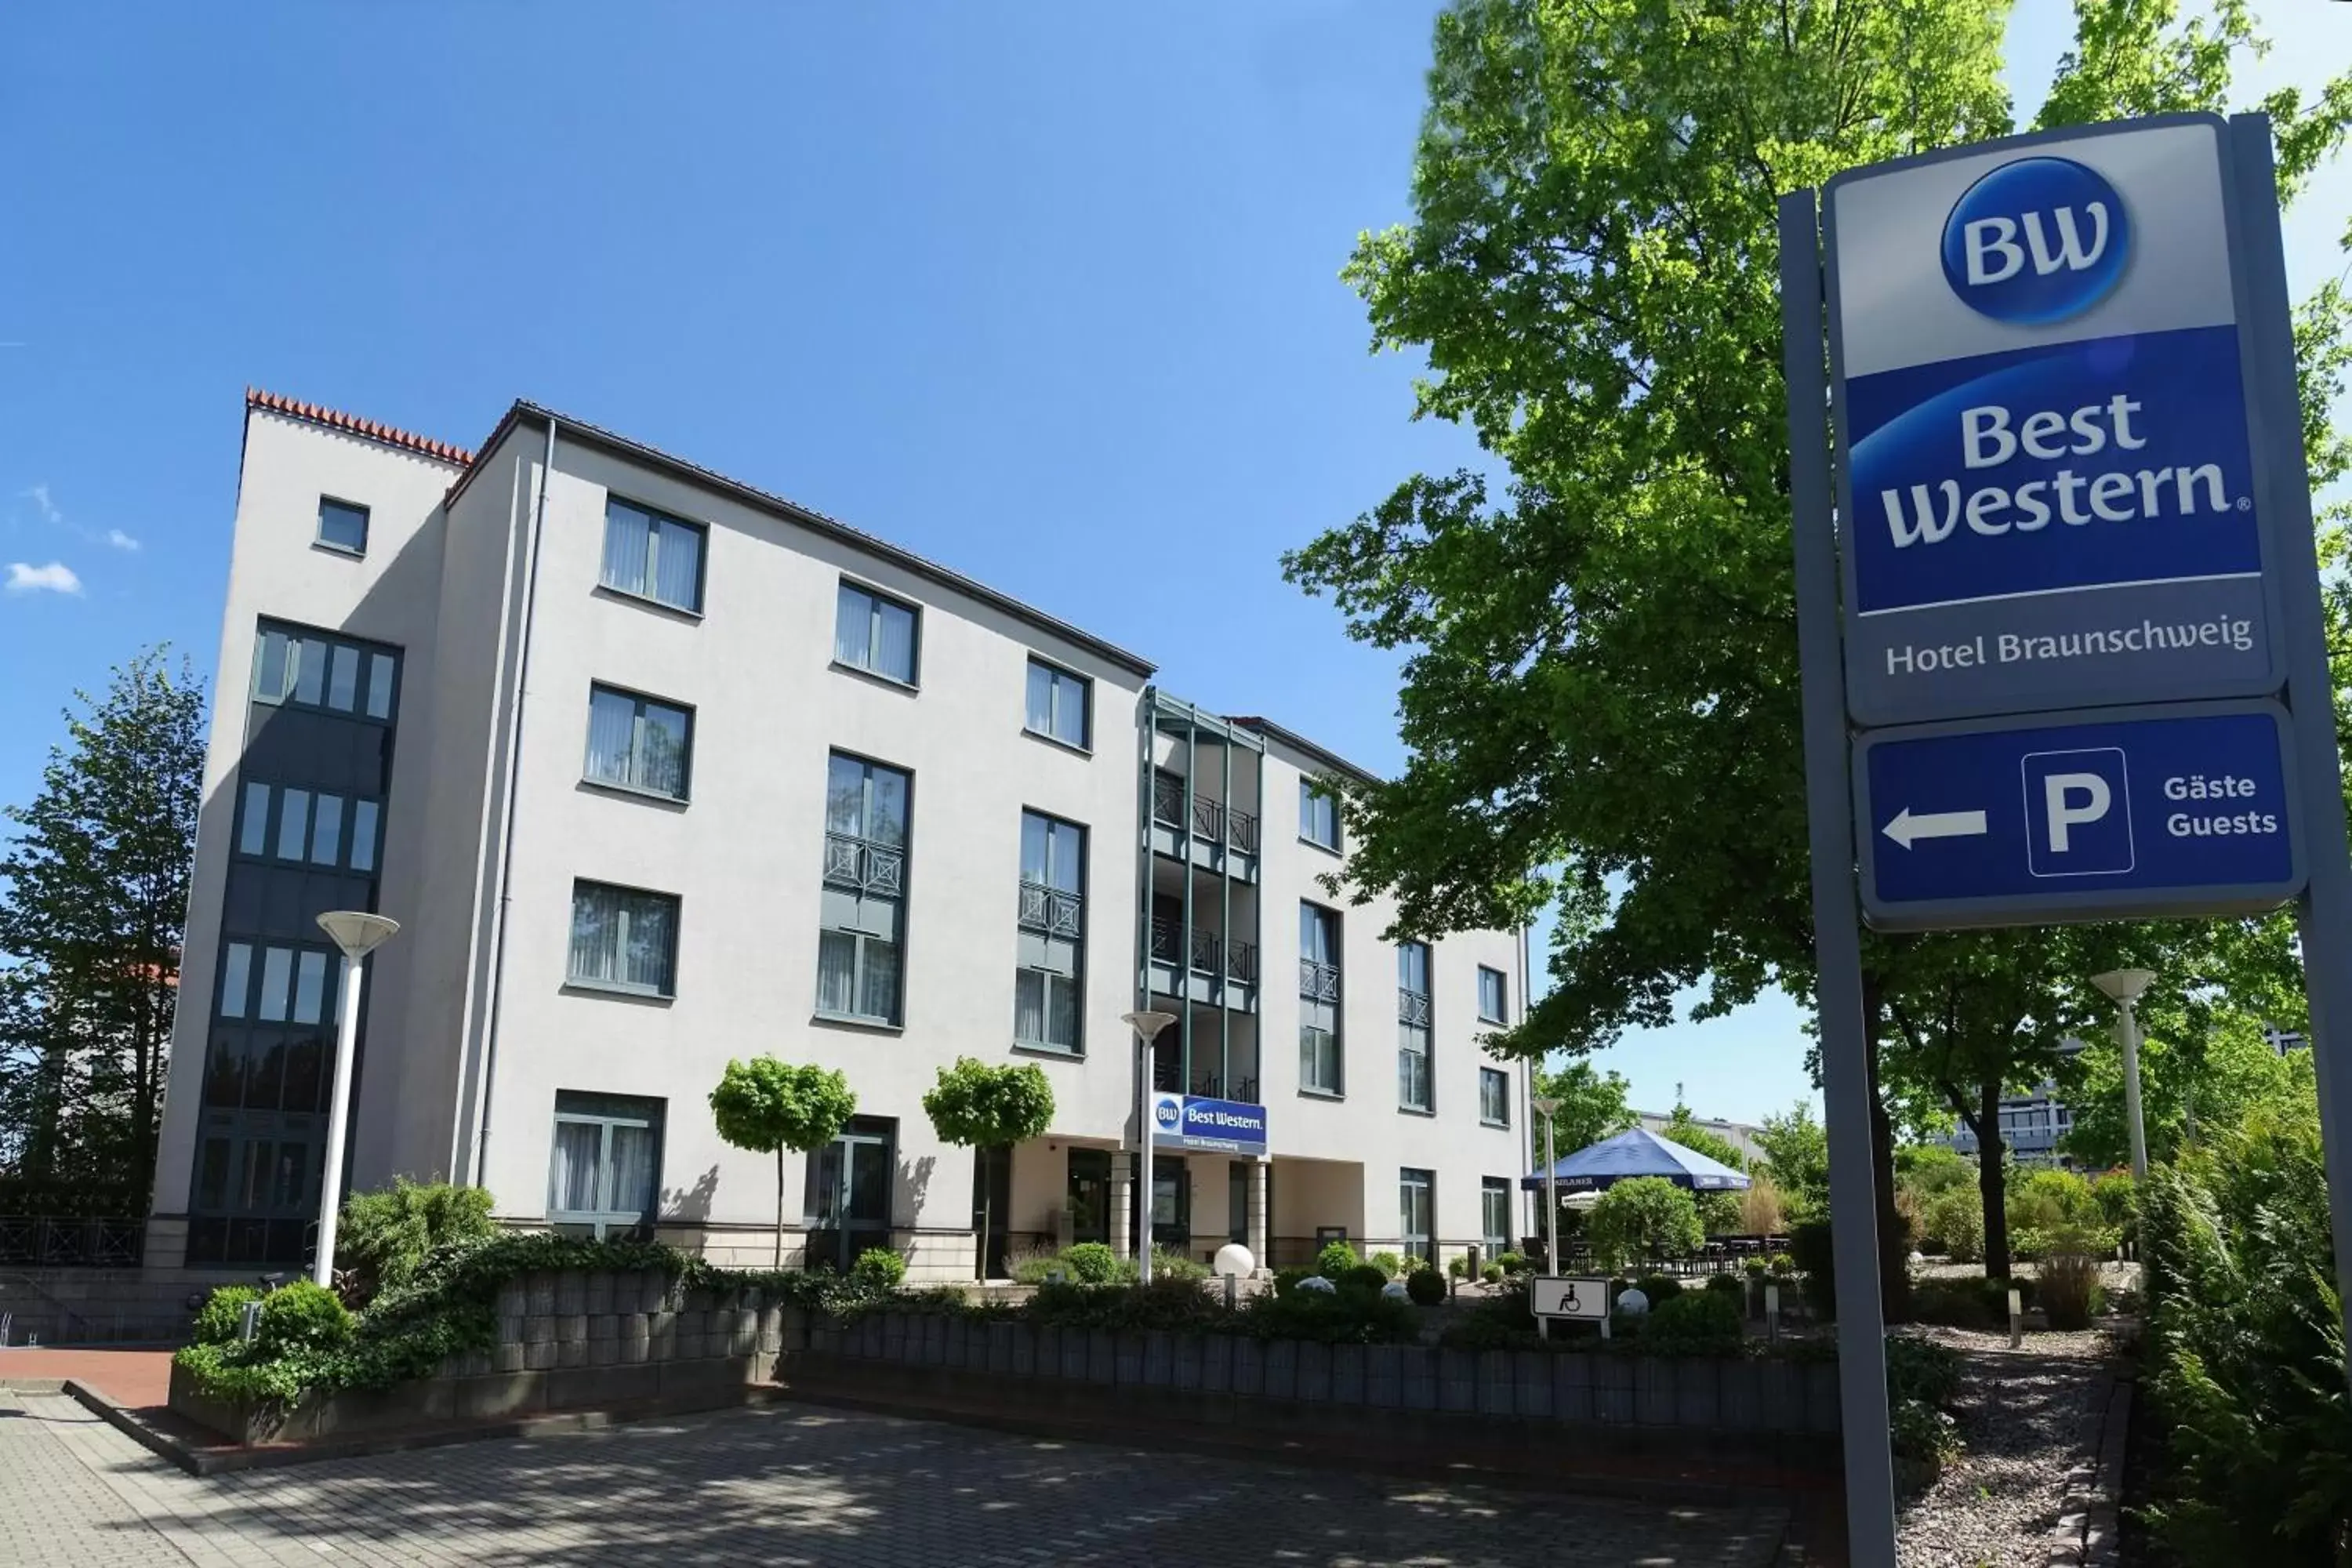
253	833
574	1174
651	926
662	745
630	1190
293	824
628	542
894	643
1041	699
1029	1005
852	626
212	1174
880	990
269	682
379	692
611	733
836	972
845	796
886	817
309	658
343	525
224	1071
869	1181
678	565
236	977
344	683
1070	709
309	987
1034	832
264	1069
327	830
306	1084
363	828
276	969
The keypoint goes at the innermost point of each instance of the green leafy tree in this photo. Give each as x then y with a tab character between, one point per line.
1719	1212
769	1106
1601	651
1796	1149
978	1106
1592	1106
1640	1218
2182	1091
93	891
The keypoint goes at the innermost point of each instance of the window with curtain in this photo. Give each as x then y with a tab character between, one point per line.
605	1162
1495	1214
1058	704
653	556
1318	815
1494	1097
623	940
876	634
299	668
638	742
1414	1091
1048	974
1417	1209
343	526
1321	1070
1493	996
859	940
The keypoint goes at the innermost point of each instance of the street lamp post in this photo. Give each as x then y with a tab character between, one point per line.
2124	987
358	935
1545	1105
1146	1026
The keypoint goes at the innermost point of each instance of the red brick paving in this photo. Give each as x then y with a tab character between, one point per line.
138	1378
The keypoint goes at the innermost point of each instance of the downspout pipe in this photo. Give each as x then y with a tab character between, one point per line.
506	815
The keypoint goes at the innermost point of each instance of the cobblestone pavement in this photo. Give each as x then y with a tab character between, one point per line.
783	1486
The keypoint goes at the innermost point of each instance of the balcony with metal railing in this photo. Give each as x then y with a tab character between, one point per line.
1205	831
1319	982
1412	1007
1051	912
1208	966
865	865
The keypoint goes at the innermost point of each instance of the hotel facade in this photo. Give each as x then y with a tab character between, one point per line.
656	770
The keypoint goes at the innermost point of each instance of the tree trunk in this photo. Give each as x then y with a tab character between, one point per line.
985	1205
1894	1246
779	1263
1992	1182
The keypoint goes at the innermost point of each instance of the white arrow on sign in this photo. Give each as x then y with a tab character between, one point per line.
1906	828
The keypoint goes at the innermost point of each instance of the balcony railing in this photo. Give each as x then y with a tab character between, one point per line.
1052	911
1412	1007
865	865
39	1242
1212	819
1319	982
1240	960
1204	950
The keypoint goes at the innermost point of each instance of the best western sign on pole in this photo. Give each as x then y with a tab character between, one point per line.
2058	595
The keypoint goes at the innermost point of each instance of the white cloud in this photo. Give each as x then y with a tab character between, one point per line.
39	496
119	540
56	577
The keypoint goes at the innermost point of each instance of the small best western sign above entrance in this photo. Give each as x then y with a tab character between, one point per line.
1217	1126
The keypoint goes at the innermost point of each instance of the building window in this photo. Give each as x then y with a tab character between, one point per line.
1412	1026
652	556
604	1169
1417	1208
1494	1097
308	828
858	947
845	1194
623	940
1318	815
1049	979
1495	1214
875	635
343	526
638	743
1321	1065
308	669
1058	703
1493	996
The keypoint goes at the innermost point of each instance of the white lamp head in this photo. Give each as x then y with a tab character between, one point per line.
2125	985
1545	1104
357	934
1147	1025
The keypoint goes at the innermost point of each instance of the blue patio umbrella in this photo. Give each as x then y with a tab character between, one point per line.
1638	1152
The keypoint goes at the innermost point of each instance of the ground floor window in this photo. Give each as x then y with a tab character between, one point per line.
1417	1208
604	1172
1090	1194
847	1194
1495	1214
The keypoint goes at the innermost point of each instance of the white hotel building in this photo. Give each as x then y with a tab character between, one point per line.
654	770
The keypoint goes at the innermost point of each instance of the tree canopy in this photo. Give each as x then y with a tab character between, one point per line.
769	1106
1592	1106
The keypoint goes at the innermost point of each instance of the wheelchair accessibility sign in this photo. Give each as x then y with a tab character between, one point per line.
1555	1296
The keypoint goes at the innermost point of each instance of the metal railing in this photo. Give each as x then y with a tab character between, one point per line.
1052	911
42	1242
1412	1007
1212	819
1204	952
1319	982
865	865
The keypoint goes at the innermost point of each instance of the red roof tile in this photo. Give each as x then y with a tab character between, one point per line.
335	420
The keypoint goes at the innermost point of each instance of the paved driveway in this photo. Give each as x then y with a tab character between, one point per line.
782	1486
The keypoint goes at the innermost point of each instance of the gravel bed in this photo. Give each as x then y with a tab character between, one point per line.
2028	1417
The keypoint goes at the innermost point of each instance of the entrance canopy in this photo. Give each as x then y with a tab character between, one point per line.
1639	1152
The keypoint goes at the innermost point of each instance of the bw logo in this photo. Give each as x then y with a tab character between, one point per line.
2036	241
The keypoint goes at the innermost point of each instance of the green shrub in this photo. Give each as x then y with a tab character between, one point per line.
1349	1315
1955	1218
1091	1263
1698	1322
1730	1285
1364	1276
1286	1280
1815	1259
384	1237
1781	1264
1336	1259
1492	1274
2047	1199
1922	1434
222	1318
1754	1268
1968	1303
2117	1198
1034	1268
1424	1287
1458	1267
1388	1263
1512	1262
2070	1290
879	1268
1922	1369
1644	1217
1165	1303
1659	1288
301	1318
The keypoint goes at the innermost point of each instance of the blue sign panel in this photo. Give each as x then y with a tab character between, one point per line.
2083	815
1220	1126
2046	488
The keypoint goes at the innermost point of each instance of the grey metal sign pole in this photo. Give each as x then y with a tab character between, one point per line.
1837	933
2327	905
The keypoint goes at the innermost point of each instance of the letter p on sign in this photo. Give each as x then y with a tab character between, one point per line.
2077	814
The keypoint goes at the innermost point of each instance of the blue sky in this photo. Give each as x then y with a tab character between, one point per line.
1047	292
